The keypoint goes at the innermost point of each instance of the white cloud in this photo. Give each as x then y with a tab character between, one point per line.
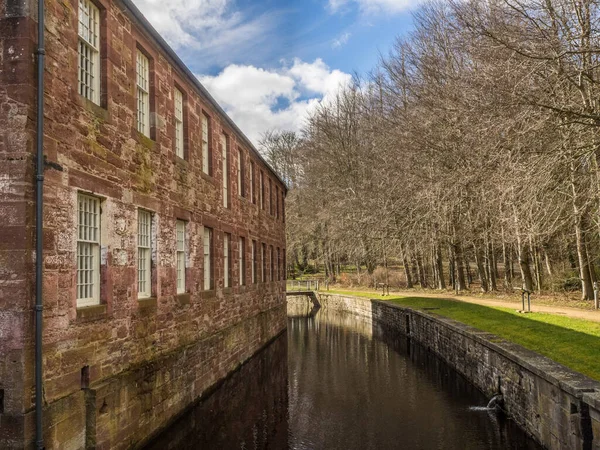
374	6
341	41
213	29
253	96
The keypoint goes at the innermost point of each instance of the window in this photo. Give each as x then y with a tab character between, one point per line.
278	277
144	254
226	260
270	197
283	205
143	94
254	262
271	261
179	142
252	182
208	278
264	262
241	174
261	190
284	266
180	256
225	150
242	263
206	155
88	250
277	202
89	51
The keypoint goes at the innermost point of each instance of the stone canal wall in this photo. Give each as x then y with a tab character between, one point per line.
558	407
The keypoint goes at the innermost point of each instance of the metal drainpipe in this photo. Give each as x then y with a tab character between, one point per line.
39	223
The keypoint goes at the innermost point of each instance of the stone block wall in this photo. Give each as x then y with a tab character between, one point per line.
17	142
106	379
558	407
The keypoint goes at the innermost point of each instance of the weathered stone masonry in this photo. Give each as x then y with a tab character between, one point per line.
116	373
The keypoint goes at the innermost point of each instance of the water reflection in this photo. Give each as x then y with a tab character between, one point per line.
346	385
248	411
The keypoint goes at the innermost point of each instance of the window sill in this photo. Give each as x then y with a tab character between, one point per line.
142	139
209	294
94	108
180	162
207	177
90	313
147	302
184	299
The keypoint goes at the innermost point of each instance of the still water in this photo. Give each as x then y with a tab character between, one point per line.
335	382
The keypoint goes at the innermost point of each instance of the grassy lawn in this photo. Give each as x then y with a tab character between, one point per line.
574	343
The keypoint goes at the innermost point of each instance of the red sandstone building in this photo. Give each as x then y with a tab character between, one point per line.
163	231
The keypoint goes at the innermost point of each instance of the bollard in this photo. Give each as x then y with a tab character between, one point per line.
528	301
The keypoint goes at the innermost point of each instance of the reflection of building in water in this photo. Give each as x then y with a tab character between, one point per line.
248	411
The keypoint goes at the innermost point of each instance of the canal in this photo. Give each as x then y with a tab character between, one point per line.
335	382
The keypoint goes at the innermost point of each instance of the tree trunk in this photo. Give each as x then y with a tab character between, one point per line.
523	256
460	271
507	266
451	268
467	266
548	265
440	268
421	269
537	264
405	263
587	289
491	266
480	268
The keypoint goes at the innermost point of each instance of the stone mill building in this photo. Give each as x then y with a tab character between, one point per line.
163	242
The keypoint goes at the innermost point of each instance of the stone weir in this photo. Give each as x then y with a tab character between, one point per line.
558	407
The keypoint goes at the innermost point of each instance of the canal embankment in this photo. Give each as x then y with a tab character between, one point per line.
558	407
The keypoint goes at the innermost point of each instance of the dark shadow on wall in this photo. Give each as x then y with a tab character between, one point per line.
248	410
399	328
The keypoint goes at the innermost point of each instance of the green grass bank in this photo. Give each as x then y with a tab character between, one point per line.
574	343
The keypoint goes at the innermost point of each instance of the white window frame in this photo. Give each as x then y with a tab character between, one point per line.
143	93
271	263
89	51
252	182
181	255
254	255
263	249
144	257
226	261
277	202
239	173
205	146
270	197
261	192
179	138
88	250
242	260
207	235
225	171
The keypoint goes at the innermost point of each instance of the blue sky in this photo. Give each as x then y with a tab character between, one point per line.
271	62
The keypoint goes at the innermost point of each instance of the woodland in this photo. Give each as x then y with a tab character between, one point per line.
469	156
